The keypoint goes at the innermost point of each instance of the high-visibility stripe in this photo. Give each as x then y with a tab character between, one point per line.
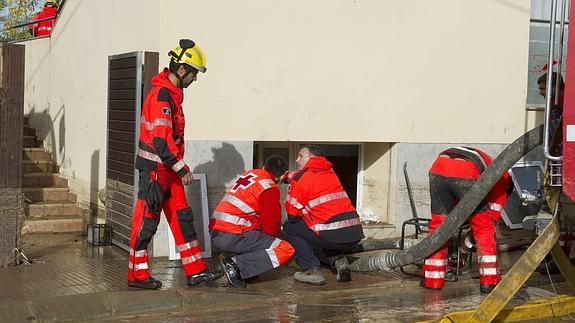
486	259
231	219
179	165
436	262
325	198
272	254
495	207
434	274
294	202
471	151
238	203
45	28
336	225
488	271
140	266
187	246
138	253
156	123
266	183
149	156
191	259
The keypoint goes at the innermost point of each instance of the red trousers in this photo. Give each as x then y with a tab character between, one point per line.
179	216
449	180
483	228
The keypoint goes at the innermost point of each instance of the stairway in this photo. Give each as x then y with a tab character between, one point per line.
49	205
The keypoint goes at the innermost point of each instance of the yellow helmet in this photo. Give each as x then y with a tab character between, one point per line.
50	3
190	54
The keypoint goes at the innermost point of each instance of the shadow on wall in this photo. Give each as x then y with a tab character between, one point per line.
227	163
94	183
43	122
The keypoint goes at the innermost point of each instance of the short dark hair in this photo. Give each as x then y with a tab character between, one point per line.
314	150
275	165
543	80
174	66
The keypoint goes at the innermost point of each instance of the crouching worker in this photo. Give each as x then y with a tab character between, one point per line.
163	171
321	215
452	174
247	222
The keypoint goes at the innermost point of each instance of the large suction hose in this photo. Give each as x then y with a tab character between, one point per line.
388	260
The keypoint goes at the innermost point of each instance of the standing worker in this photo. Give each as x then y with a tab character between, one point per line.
44	28
247	222
163	171
320	214
452	174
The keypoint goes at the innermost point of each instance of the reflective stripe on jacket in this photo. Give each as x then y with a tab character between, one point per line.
317	195
162	126
239	209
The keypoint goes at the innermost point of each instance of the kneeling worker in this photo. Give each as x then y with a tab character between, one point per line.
320	214
247	222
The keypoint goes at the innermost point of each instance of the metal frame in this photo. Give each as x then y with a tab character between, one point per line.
207	253
139	63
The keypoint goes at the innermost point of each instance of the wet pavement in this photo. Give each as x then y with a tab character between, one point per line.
71	281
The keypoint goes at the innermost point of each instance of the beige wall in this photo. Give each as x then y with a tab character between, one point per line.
70	86
359	71
387	71
376	180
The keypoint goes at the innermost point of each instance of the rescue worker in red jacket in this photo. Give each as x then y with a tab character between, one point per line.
247	222
320	214
163	172
452	174
44	28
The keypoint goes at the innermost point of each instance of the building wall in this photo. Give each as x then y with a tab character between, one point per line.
351	71
382	71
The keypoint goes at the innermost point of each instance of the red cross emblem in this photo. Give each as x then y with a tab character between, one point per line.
244	182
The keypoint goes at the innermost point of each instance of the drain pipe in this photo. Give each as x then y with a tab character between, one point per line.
388	260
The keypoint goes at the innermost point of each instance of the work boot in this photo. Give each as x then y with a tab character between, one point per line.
232	273
342	268
148	283
204	276
312	276
486	289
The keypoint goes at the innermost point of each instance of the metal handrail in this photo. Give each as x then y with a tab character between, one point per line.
549	83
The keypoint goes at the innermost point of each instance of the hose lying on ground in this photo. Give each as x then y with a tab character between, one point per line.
388	260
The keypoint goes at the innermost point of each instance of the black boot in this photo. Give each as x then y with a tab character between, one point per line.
486	289
149	283
342	268
232	273
205	276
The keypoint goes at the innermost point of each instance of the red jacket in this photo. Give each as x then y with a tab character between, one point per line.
43	28
317	195
162	125
467	162
252	203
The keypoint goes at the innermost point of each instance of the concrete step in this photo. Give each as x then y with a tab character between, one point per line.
36	154
51	208
49	194
43	180
29	166
31	142
28	131
53	224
